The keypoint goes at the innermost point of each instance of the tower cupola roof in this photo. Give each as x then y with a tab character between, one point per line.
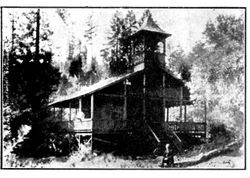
150	26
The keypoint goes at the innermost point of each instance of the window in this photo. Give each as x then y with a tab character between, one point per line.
160	47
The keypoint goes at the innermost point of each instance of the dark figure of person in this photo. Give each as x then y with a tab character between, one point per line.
168	157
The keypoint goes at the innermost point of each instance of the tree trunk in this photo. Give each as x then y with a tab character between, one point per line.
37	33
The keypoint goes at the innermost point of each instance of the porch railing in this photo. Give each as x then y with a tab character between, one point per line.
198	128
84	125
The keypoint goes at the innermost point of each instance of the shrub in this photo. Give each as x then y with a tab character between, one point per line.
220	134
48	136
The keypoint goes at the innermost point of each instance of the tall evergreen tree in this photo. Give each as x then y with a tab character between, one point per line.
93	73
90	33
121	28
31	77
36	76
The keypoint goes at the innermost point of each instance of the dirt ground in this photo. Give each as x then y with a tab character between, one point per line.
233	160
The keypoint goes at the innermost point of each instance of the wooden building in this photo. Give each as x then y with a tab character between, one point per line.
132	110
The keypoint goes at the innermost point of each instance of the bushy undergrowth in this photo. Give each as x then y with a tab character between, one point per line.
219	134
48	137
83	159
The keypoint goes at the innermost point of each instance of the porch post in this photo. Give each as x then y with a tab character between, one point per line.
69	111
181	101
92	117
205	118
144	81
92	106
185	113
125	101
144	99
80	104
167	114
164	95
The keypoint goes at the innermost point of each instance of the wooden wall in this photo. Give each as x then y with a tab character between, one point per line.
108	111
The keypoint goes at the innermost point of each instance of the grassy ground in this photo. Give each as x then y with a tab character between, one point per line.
83	159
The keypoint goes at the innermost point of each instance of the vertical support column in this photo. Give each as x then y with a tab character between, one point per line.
164	46
185	113
125	101
69	111
144	51
131	51
164	51
164	95
80	104
205	118
69	123
144	97
167	114
92	117
92	106
181	101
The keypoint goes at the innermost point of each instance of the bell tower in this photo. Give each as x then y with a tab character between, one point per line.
148	55
148	46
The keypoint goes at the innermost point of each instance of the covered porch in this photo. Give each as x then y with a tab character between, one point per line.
180	117
76	113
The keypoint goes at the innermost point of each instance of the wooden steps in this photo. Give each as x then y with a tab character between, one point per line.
166	135
173	137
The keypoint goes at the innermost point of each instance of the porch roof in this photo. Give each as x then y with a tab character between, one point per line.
93	88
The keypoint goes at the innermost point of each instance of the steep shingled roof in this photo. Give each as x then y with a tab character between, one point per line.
150	25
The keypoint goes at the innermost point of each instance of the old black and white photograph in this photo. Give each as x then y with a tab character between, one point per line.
123	88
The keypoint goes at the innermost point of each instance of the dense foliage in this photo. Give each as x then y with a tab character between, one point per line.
179	63
218	72
31	79
120	29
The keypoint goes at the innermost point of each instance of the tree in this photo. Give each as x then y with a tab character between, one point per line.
218	72
131	23
90	32
121	28
31	78
104	53
75	67
26	58
225	30
179	64
5	77
93	75
63	14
